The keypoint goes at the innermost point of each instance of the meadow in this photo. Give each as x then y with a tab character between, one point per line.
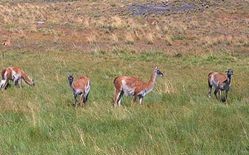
102	39
176	118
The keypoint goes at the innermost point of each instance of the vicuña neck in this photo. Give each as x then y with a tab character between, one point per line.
70	82
230	78
26	78
152	80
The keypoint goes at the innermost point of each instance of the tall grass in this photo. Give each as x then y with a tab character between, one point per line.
176	118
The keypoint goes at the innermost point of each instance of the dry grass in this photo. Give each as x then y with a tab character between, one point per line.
105	22
117	22
168	40
129	38
149	38
114	38
91	38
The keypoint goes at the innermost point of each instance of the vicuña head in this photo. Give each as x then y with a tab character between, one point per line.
15	74
70	79
220	82
229	74
81	87
158	72
132	86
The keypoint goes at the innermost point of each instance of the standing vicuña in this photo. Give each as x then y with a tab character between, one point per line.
220	82
132	86
15	74
80	87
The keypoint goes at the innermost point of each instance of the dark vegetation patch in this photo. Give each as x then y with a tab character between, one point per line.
167	8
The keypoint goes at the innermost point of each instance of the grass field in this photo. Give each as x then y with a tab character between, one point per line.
176	118
103	39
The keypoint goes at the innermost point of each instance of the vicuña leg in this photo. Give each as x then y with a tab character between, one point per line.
140	99
117	97
215	92
209	90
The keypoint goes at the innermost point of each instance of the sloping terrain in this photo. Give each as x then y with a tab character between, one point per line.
173	27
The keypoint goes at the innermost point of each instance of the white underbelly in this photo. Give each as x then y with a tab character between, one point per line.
145	92
214	84
128	90
78	91
87	89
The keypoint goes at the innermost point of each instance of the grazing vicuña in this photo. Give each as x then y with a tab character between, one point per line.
15	74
